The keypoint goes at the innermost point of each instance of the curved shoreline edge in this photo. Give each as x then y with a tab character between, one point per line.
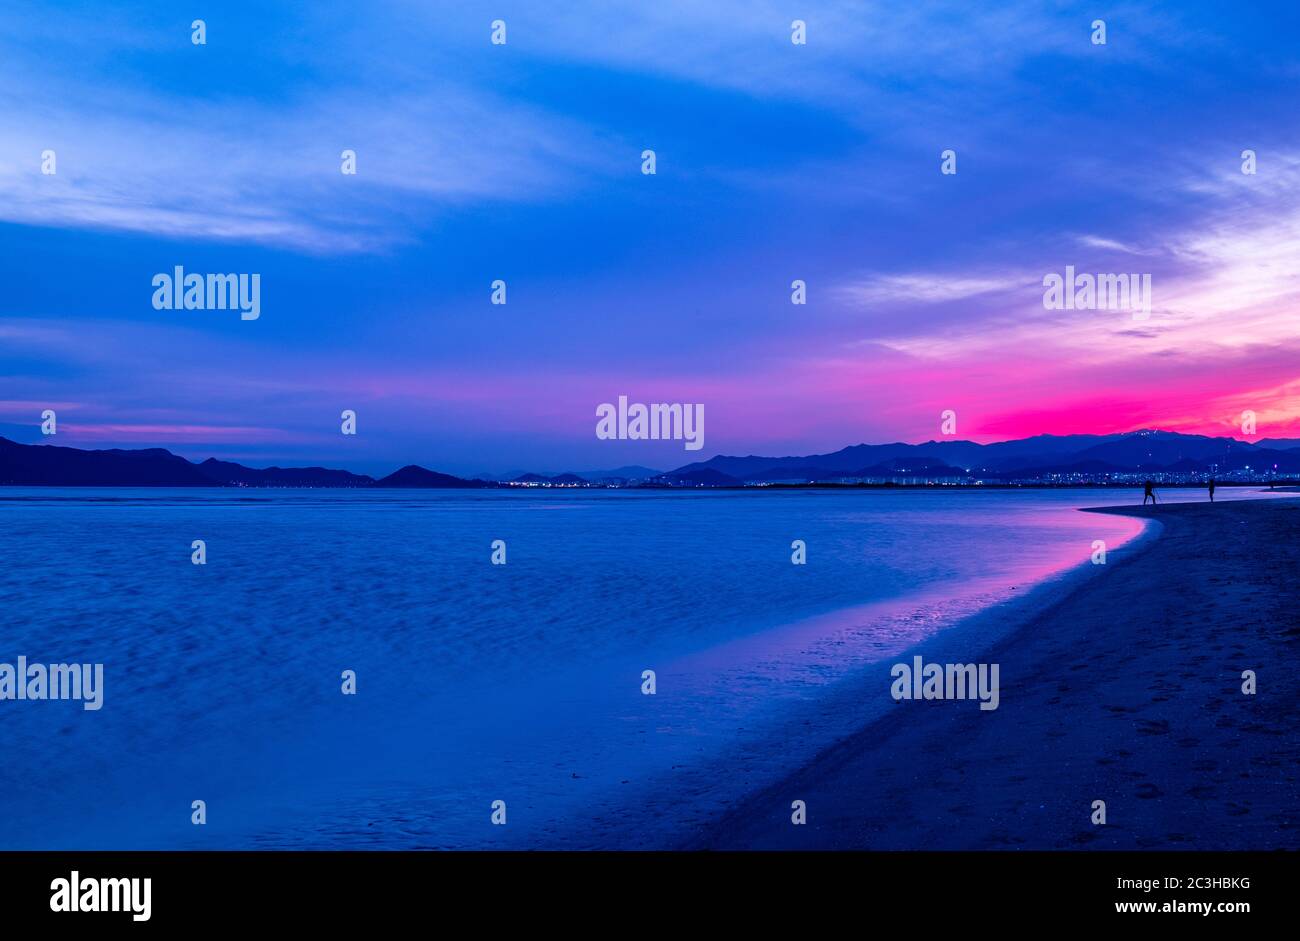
669	803
1122	688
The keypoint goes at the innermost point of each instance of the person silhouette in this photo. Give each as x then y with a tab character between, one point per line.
1211	489
1150	493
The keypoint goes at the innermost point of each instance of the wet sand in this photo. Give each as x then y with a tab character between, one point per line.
1128	689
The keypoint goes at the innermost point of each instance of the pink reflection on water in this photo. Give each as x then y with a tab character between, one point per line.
822	649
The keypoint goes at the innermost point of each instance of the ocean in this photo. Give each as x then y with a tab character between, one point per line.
476	683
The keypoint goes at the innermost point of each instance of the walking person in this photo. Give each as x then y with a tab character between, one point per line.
1211	489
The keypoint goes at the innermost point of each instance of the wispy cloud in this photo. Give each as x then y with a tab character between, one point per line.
1112	245
935	288
216	171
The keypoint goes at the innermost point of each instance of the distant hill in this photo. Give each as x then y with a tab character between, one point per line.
412	475
962	454
704	477
227	473
53	466
46	465
559	480
899	467
1023	458
628	472
617	475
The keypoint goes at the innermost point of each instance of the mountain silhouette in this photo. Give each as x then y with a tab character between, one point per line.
37	465
227	473
1040	457
412	475
1023	458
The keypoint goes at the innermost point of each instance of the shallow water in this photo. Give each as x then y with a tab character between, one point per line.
476	682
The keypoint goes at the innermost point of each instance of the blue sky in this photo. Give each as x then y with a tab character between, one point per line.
522	162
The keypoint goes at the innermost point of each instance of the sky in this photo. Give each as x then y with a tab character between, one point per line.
523	162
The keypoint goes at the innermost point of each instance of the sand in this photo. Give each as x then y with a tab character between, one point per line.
1128	690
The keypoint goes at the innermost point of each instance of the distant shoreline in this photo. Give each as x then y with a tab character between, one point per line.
1168	459
1280	486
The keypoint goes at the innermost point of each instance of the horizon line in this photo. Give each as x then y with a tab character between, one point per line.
409	465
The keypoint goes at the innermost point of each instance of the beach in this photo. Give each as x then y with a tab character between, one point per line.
1126	689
